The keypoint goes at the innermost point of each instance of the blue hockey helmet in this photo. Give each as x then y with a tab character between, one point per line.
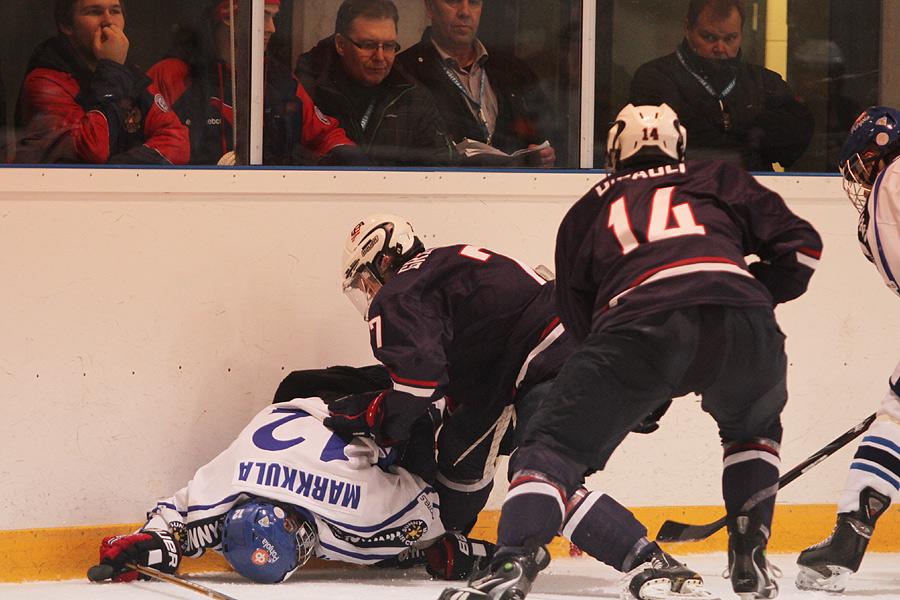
266	542
874	136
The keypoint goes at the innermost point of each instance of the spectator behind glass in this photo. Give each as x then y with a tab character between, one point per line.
732	110
83	101
352	75
195	79
482	94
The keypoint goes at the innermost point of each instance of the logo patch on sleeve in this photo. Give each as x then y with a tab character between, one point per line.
322	116
161	103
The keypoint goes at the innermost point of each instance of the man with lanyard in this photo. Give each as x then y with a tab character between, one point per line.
486	96
352	76
732	110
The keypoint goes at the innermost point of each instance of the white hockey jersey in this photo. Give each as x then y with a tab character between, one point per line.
879	226
365	509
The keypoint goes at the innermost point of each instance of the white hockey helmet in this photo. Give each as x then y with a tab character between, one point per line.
376	248
645	134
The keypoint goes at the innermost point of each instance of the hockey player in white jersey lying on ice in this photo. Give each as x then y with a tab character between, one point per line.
287	489
870	165
481	329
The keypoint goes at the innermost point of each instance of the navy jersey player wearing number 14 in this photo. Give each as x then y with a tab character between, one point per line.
653	283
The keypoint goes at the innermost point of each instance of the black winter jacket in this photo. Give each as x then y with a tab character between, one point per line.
523	116
767	122
404	127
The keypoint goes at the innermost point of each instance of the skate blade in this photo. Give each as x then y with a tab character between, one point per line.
661	589
810	579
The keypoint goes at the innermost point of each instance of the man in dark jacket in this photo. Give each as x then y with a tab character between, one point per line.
732	110
482	94
352	76
196	82
83	101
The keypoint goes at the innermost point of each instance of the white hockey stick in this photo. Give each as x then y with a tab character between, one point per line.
101	572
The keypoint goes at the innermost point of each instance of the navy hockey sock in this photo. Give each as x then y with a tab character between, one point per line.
606	530
750	477
533	508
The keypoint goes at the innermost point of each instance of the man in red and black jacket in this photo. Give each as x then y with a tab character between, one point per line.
83	101
196	81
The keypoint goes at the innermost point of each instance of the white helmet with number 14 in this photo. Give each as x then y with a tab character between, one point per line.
650	135
376	248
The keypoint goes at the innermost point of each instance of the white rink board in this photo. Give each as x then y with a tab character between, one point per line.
149	313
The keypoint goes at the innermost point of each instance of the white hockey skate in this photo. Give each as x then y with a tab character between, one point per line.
827	565
663	578
835	580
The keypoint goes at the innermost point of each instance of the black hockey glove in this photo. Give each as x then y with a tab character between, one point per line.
455	556
157	549
358	415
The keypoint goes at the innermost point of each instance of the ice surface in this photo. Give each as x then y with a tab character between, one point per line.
564	579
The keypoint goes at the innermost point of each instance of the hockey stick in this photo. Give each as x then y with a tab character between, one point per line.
101	572
672	531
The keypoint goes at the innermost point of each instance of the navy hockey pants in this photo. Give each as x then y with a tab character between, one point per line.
733	357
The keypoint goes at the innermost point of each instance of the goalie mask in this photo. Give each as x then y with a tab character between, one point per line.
650	135
377	247
875	136
266	542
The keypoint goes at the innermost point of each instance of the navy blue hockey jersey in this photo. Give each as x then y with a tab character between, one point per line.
465	323
644	241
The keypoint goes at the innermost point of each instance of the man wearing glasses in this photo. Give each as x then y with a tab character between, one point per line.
352	76
483	95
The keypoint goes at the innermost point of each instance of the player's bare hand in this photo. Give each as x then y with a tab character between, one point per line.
110	43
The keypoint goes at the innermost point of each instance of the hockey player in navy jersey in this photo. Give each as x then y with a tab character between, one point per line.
482	330
287	489
870	165
460	322
653	284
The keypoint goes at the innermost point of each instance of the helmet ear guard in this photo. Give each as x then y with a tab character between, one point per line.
650	135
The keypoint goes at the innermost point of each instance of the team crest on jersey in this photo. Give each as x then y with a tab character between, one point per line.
413	532
322	116
397	537
133	117
161	103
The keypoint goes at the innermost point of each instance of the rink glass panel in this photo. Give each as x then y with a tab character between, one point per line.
832	55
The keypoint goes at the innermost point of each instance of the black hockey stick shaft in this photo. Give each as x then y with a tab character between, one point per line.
673	531
183	583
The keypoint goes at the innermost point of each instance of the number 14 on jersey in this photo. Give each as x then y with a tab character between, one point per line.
658	225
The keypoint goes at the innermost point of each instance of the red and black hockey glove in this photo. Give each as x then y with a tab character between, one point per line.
358	415
455	556
157	549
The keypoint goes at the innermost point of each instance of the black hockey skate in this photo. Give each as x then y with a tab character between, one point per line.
508	580
662	577
828	564
748	567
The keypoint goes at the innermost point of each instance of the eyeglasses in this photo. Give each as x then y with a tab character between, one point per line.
370	47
